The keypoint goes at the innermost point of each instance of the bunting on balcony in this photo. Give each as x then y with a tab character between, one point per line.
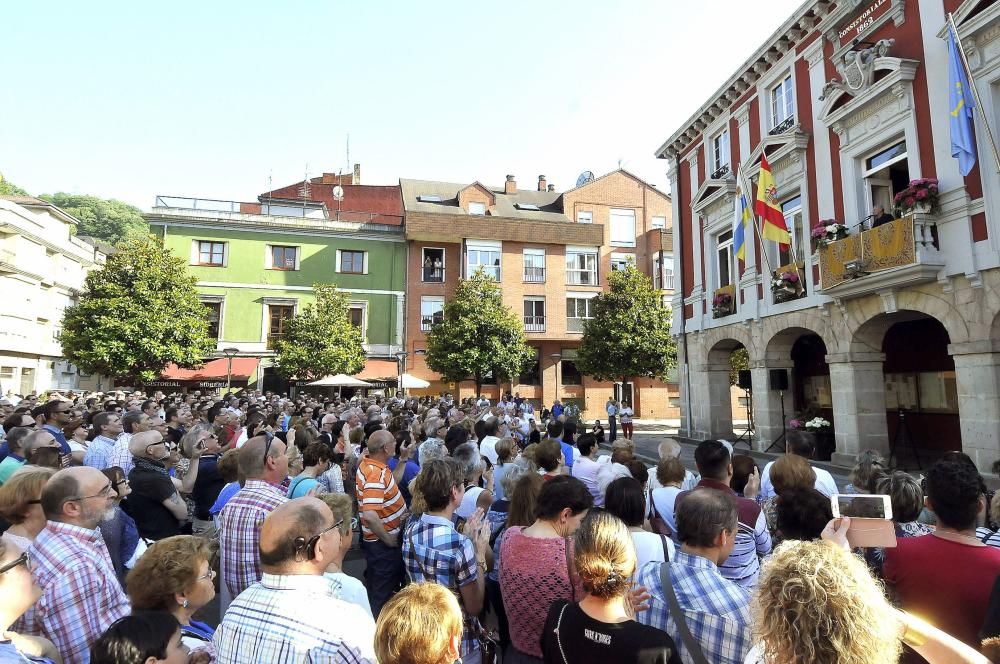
773	220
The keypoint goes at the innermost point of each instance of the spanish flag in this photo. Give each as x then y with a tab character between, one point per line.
767	208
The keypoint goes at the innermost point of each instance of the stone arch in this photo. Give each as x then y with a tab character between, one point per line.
720	343
778	346
867	334
711	395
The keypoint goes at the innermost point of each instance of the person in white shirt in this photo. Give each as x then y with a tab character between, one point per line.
800	446
626	499
609	472
488	447
671	449
586	467
670	474
351	589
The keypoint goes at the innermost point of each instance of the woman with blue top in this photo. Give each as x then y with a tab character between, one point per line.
316	461
174	575
18	591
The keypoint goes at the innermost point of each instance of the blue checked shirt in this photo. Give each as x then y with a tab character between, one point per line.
434	551
99	453
717	611
290	619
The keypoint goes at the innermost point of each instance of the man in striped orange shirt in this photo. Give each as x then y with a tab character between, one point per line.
382	508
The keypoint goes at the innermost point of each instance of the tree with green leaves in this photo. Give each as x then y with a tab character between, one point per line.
108	220
478	335
138	313
8	188
629	335
321	340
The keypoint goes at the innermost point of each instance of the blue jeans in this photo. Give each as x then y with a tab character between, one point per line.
384	572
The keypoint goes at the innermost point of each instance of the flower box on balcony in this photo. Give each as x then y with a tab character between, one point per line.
724	302
786	283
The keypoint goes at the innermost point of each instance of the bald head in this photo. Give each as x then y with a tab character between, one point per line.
37	439
62	494
288	528
252	462
381	441
141	442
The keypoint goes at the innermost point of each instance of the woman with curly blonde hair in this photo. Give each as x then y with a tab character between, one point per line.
817	603
422	624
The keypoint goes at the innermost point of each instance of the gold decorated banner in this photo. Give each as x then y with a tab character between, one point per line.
883	248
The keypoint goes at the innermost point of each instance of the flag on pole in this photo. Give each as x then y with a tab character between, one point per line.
961	103
741	220
773	220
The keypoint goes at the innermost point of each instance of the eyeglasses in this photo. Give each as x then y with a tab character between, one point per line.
210	575
124	482
23	559
310	544
105	492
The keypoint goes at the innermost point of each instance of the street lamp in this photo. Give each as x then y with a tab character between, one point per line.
400	364
229	353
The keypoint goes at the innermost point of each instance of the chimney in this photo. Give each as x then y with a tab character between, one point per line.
357	174
552	187
541	183
330	178
510	186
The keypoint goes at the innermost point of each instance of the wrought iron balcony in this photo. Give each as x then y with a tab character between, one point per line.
783	126
534	323
900	253
720	172
534	275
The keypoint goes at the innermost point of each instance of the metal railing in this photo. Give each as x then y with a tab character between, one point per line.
434	274
720	172
575	324
534	323
427	322
581	277
534	275
782	126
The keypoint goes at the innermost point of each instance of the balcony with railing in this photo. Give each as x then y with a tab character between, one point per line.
581	277
900	253
433	275
534	275
428	322
534	323
575	324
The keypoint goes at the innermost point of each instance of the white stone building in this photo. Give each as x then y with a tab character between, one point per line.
893	334
42	270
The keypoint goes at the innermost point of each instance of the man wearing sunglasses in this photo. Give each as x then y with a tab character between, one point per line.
57	415
295	614
157	508
81	595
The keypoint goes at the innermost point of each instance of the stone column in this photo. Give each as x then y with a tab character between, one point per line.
711	410
767	404
977	373
858	385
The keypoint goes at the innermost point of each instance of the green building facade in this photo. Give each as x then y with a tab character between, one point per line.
256	265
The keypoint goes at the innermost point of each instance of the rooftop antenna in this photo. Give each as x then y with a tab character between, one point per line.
270	188
348	157
305	190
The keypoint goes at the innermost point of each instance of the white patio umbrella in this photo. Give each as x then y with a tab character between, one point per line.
340	380
409	382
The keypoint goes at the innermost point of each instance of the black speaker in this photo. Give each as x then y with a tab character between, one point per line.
779	379
744	382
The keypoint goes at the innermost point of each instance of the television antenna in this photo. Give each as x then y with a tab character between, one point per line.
585	177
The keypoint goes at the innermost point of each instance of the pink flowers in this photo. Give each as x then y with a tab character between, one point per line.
722	300
790	277
794	424
921	190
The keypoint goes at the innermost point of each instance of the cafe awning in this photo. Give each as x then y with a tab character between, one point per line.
243	369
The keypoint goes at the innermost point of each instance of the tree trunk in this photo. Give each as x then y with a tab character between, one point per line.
479	385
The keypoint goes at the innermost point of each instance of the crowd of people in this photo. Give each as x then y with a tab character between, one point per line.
194	528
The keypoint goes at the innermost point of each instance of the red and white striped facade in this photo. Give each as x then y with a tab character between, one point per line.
827	125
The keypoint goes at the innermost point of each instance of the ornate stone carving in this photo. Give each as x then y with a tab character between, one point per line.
857	69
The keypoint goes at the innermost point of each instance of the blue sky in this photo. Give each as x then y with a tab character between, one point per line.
209	99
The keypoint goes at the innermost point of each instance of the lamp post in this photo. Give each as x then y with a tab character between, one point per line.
229	353
555	359
400	364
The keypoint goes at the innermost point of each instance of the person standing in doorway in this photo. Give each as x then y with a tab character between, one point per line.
612	408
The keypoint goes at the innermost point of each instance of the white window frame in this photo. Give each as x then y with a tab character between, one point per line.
477	208
720	246
626	238
537	327
617	258
658	222
668	271
720	150
570	295
794	230
429	299
572	253
363	305
364	261
423	257
269	256
196	253
481	246
534	254
585	217
785	89
870	176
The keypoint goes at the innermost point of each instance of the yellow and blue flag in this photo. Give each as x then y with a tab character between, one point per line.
961	102
741	220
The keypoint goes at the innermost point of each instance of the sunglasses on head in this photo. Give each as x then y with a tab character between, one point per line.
23	559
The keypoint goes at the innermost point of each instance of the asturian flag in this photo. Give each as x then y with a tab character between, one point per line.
741	220
767	208
961	103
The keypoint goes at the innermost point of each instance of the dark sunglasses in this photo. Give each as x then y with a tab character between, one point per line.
23	559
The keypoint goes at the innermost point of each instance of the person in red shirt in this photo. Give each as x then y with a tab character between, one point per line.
946	577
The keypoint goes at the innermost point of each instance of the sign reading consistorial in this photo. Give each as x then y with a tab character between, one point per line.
863	21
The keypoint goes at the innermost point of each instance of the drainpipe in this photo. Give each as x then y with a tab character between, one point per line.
679	241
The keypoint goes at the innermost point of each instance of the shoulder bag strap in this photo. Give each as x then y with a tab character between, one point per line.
569	570
989	534
666	551
692	646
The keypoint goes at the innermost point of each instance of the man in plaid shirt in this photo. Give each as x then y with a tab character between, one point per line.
294	614
109	427
434	551
716	610
81	595
263	462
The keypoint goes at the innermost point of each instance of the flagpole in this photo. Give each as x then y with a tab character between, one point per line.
756	222
975	91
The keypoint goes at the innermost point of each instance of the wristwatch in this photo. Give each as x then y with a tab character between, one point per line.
481	564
